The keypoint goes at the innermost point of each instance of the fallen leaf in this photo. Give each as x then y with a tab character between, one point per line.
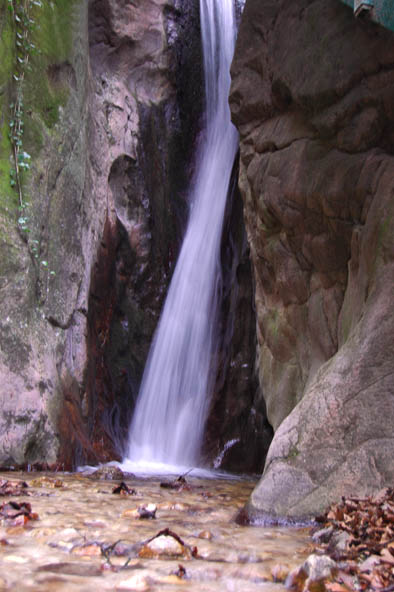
387	557
335	587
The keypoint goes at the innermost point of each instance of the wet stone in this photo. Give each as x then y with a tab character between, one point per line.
312	575
85	541
138	582
72	569
144	512
45	481
108	473
163	546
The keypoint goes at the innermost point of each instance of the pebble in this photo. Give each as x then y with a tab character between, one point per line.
76	520
163	546
173	579
323	535
310	576
146	511
205	534
137	583
87	550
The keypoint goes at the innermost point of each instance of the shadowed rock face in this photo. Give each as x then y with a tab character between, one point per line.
113	108
313	96
142	128
146	111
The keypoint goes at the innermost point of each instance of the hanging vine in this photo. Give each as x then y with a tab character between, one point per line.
22	13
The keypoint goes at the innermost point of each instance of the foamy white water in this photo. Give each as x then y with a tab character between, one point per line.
171	411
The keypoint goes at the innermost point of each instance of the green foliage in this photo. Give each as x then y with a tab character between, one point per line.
36	45
23	18
22	14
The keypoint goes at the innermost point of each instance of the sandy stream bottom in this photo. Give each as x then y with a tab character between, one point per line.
80	517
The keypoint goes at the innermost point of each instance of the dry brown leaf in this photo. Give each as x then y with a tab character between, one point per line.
387	556
335	587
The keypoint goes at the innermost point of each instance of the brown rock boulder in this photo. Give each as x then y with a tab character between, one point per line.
313	96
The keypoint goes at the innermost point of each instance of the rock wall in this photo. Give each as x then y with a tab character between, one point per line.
145	118
148	187
45	259
110	125
112	113
313	96
237	434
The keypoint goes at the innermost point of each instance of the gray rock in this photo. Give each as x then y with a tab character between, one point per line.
339	541
323	535
108	473
312	574
317	182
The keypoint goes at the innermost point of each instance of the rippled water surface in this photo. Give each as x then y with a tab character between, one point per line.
68	546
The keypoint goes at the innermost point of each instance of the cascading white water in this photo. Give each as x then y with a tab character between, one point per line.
171	410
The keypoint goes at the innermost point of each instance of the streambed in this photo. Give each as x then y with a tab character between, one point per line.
69	546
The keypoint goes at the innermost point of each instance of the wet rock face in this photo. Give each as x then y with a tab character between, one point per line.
148	106
238	434
110	163
312	96
141	56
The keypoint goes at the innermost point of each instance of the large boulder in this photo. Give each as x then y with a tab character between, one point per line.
313	96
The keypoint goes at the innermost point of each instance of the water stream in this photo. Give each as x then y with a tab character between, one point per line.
169	418
84	538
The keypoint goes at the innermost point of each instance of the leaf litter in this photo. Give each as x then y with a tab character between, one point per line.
365	556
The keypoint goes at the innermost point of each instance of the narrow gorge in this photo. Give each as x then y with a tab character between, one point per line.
95	197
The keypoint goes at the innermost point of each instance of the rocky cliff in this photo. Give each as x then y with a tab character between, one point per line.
110	119
113	99
49	231
313	96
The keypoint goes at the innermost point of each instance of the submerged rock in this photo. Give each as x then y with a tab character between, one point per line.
135	583
108	473
162	546
143	512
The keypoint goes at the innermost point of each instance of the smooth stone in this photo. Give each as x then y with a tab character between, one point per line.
163	546
137	583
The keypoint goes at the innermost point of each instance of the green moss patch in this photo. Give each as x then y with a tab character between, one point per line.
7	195
53	38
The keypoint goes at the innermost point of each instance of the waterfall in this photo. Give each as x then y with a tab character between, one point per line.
171	410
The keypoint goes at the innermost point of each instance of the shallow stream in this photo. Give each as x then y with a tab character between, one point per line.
69	546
